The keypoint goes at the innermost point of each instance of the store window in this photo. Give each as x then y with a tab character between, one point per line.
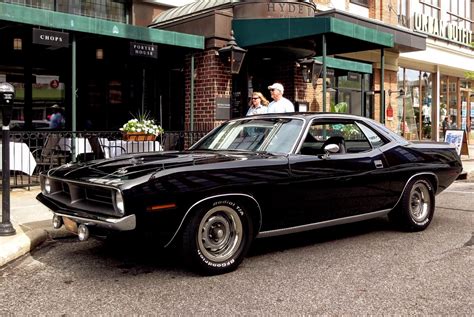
414	97
346	93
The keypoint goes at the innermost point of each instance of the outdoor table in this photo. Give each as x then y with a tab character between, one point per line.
21	158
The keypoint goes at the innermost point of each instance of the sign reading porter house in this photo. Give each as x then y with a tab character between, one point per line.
50	38
146	50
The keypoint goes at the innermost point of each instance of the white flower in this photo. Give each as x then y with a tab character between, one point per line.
142	123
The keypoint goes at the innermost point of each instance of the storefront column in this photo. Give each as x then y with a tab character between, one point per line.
73	84
382	88
435	108
324	72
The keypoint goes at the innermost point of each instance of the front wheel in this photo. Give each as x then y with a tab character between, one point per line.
416	208
216	239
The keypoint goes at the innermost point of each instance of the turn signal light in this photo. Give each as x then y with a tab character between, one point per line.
161	207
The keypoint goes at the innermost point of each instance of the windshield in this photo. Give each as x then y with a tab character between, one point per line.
257	135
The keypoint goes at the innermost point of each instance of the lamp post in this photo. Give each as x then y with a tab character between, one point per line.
7	95
233	54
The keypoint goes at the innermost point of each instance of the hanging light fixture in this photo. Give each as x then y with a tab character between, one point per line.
310	69
17	44
99	53
232	54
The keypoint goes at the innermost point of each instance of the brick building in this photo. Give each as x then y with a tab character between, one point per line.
278	35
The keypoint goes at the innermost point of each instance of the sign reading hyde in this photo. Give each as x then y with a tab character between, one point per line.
289	8
51	38
449	31
146	50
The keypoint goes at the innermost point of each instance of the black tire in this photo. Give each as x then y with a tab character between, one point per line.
217	237
416	208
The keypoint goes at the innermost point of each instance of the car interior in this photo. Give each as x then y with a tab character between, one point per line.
347	136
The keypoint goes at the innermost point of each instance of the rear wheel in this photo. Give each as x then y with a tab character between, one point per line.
216	239
416	208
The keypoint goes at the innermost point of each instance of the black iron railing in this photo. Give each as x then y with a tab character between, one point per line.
34	151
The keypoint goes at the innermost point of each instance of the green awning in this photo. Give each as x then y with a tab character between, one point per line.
72	22
344	64
341	36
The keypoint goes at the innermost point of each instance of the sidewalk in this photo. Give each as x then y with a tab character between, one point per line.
32	220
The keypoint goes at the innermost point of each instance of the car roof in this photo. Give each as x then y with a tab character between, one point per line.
308	115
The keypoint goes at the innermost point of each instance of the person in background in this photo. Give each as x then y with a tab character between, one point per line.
258	104
57	119
446	124
279	104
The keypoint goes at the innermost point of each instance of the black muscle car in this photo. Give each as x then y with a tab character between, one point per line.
255	177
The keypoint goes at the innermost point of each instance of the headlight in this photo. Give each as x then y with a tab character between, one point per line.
47	186
119	202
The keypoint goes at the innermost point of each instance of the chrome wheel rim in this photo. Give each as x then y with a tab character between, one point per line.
220	234
420	202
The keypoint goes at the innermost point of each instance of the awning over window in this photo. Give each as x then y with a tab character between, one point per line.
341	36
71	22
345	64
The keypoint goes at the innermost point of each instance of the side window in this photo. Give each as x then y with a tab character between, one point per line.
373	137
346	134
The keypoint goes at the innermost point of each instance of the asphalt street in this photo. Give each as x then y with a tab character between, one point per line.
365	268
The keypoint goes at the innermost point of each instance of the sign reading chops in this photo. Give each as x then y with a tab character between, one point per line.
146	50
51	38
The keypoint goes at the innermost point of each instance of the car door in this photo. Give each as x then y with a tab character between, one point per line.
337	185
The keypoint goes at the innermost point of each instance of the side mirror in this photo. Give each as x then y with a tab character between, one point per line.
331	148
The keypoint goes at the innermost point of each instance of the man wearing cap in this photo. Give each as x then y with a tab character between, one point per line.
57	119
279	104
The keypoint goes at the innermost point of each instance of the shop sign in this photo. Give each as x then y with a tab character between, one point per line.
273	9
50	38
442	29
145	50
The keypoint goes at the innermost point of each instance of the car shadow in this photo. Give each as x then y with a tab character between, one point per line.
318	236
131	255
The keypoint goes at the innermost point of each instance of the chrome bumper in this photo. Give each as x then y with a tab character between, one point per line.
121	224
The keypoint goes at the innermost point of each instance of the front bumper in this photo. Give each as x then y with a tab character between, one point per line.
125	223
118	224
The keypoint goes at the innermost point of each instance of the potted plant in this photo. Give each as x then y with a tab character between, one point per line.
141	128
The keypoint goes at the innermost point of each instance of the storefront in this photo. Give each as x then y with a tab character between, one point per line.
358	58
438	91
99	72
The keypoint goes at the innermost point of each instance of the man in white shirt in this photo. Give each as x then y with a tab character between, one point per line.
279	104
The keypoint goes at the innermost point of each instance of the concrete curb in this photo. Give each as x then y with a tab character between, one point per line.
21	244
24	242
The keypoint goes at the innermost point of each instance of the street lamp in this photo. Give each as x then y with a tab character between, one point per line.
233	54
310	69
7	95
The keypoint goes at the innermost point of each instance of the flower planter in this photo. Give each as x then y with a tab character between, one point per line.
138	136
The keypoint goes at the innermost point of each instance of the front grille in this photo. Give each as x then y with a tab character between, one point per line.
88	198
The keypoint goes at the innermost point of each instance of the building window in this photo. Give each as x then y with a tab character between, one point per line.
364	3
459	13
114	10
402	13
431	8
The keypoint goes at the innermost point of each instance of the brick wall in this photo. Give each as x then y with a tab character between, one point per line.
211	80
379	10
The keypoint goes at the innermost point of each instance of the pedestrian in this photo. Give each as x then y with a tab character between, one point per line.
57	119
279	104
446	124
258	104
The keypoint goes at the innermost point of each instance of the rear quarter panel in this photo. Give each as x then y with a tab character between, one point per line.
438	158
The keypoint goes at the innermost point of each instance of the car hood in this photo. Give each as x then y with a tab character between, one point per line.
134	166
